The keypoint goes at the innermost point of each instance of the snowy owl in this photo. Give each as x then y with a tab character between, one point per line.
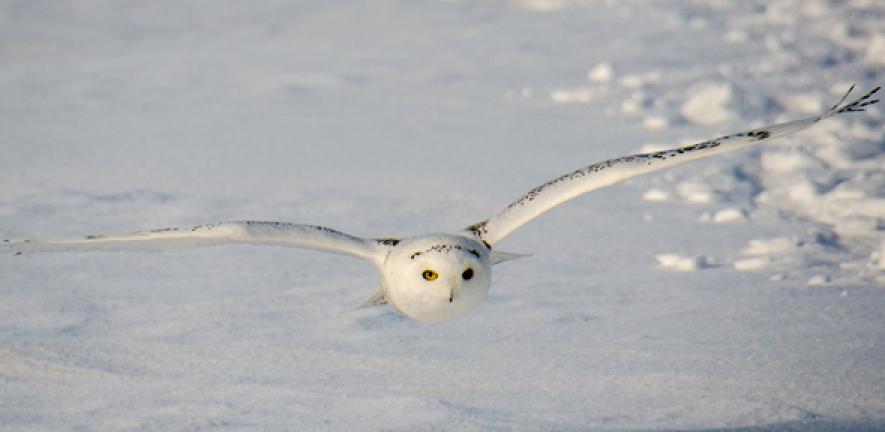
439	277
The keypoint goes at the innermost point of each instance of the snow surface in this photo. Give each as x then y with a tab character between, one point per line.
398	118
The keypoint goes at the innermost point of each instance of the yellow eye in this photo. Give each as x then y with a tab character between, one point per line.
429	275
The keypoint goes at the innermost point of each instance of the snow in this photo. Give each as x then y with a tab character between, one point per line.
683	263
696	192
875	53
655	195
729	215
818	280
708	104
770	246
399	118
603	72
655	122
803	103
580	95
751	264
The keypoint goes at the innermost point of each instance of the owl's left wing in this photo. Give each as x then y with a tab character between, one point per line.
607	173
251	232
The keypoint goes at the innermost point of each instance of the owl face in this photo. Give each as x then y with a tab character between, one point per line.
437	278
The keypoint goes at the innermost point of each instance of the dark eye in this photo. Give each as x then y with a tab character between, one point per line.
468	274
429	275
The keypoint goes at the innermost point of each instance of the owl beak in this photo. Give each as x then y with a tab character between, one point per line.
452	286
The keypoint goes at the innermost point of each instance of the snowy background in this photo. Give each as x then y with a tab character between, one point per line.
740	293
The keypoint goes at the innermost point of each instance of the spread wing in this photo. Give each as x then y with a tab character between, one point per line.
607	173
252	232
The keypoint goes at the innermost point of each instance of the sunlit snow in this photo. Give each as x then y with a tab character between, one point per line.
396	118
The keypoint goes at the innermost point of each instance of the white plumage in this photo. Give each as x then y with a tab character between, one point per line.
440	277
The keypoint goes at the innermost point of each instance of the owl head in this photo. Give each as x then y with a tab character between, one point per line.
437	278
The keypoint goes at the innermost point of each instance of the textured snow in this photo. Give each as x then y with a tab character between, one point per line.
655	195
602	72
682	263
397	118
875	53
770	246
724	216
708	104
818	280
751	264
696	192
580	95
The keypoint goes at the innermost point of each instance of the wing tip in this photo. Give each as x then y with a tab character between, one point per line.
857	105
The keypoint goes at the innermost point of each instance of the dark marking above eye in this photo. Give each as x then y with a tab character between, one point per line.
445	248
387	241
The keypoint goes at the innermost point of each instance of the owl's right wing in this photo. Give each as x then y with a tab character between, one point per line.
570	185
250	232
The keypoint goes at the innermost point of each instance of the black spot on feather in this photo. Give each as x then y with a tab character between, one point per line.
162	230
759	135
